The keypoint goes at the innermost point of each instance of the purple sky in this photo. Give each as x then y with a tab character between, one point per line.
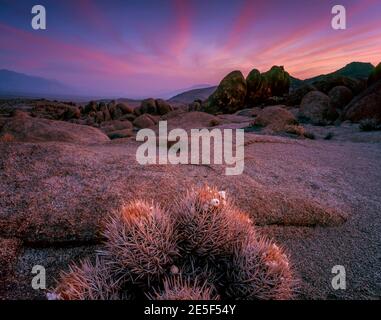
147	48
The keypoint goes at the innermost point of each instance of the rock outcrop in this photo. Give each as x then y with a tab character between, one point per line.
316	107
367	105
295	97
25	128
144	121
117	129
229	96
260	87
375	75
340	97
163	107
254	88
327	84
275	119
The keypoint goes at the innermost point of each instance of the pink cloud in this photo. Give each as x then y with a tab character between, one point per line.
248	12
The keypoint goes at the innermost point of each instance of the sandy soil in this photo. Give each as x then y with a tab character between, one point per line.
320	199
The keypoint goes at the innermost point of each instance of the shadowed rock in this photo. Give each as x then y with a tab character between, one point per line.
229	96
148	106
144	121
276	82
340	97
163	107
367	105
296	96
315	107
375	75
254	88
328	83
273	83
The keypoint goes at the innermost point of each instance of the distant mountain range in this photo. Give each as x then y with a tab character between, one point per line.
191	95
359	70
14	84
173	93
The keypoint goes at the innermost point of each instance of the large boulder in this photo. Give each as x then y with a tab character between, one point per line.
54	110
24	128
328	83
71	112
275	118
195	106
276	82
254	88
296	96
130	117
91	106
148	106
115	125
229	96
375	75
54	193
99	117
121	109
106	112
163	107
191	120
340	97
261	87
367	105
111	108
316	107
124	108
144	121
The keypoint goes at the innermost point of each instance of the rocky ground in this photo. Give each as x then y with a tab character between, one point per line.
318	198
312	178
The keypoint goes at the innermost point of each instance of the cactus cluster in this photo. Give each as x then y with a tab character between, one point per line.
202	248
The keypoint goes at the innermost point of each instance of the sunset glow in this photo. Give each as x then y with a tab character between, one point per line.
137	49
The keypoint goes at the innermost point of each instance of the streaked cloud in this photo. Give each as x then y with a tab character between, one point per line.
147	48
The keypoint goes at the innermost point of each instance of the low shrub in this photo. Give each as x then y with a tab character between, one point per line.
370	125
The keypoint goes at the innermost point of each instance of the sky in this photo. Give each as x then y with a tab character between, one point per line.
147	48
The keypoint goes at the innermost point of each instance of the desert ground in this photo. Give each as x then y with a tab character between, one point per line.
315	188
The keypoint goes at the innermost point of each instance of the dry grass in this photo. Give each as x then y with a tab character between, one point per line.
370	125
